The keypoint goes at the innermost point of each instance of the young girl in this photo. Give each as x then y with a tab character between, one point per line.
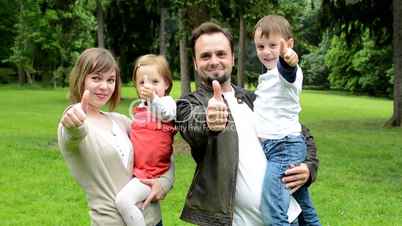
152	132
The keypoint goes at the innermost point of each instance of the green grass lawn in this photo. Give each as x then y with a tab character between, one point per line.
359	181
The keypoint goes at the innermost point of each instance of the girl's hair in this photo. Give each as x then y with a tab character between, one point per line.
274	24
161	64
94	60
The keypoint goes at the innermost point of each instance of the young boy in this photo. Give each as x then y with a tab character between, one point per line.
277	108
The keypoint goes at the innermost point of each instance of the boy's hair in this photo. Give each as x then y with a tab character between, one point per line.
209	28
274	24
161	64
93	60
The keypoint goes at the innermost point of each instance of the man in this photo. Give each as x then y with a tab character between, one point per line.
217	122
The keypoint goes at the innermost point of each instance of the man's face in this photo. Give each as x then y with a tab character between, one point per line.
214	59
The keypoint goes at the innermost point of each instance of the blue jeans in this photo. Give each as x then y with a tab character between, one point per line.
280	154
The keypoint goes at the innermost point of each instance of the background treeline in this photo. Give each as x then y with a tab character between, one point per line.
343	44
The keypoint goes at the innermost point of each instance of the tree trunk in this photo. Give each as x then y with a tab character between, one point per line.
184	75
162	32
21	77
101	24
395	120
241	57
29	77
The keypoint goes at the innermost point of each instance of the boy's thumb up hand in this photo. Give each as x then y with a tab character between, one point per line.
288	54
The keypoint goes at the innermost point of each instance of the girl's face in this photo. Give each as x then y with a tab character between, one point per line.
101	87
149	74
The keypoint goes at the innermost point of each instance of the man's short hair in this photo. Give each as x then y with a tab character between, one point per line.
209	28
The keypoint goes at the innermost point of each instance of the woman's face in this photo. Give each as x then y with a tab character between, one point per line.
101	87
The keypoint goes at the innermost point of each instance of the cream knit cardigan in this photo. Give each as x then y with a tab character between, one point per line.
97	167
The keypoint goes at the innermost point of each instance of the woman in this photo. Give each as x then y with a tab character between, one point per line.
96	144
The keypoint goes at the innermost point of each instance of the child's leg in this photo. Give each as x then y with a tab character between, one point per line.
297	153
309	215
126	200
275	196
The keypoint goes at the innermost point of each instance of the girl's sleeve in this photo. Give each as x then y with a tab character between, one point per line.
164	108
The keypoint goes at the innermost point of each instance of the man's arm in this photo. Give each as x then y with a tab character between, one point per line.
312	159
191	122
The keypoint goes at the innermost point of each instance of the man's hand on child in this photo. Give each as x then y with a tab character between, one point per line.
296	176
217	112
288	54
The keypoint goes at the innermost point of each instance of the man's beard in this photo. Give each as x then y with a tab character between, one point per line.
221	79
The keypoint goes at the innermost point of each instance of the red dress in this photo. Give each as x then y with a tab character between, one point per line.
152	142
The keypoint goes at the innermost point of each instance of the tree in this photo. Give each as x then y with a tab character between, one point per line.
396	119
162	27
381	18
100	24
184	72
50	34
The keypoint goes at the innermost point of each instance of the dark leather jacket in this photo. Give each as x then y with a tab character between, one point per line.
210	198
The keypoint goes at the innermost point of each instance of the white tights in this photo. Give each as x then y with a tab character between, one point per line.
133	192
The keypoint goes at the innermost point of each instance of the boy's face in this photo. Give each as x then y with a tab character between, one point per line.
268	48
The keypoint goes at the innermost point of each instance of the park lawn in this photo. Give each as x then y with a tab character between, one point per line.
359	181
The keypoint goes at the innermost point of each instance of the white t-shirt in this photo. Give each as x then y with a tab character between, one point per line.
251	170
277	105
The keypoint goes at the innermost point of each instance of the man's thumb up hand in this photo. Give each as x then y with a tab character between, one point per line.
217	89
217	113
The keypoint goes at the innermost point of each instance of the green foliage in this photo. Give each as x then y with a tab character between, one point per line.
49	37
315	71
360	66
8	10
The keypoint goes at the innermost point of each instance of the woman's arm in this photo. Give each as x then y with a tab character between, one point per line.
160	186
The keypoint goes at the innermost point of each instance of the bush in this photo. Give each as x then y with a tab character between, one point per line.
7	75
313	65
360	66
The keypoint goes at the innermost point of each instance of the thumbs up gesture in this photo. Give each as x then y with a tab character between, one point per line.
288	54
217	112
76	115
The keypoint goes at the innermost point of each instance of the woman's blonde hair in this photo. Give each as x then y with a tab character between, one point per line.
161	64
94	60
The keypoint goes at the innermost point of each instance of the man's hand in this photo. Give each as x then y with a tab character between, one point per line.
156	193
76	115
288	54
217	112
296	176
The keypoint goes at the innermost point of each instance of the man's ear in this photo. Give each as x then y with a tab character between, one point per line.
290	42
